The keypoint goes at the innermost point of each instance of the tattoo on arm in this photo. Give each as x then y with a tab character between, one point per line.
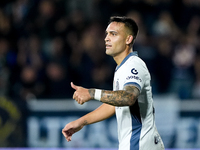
85	122
126	97
92	92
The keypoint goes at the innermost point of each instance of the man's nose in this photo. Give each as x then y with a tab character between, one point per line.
106	38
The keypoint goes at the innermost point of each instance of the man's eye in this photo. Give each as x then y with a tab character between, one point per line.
114	34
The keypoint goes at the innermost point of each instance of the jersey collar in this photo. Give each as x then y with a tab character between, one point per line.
126	58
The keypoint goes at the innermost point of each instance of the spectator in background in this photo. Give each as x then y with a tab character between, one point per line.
196	88
193	31
28	76
19	11
188	9
136	15
28	86
56	51
57	74
4	68
78	21
102	76
5	25
165	33
45	19
30	52
57	81
183	61
93	51
163	65
165	26
75	58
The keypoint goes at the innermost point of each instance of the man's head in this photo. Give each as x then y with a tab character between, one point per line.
129	24
120	35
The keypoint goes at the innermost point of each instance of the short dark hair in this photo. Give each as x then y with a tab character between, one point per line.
128	22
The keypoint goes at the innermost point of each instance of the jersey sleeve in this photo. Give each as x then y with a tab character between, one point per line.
136	73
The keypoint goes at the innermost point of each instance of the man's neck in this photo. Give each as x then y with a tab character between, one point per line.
119	58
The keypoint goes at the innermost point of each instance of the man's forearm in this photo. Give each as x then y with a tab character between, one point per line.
117	98
103	112
125	97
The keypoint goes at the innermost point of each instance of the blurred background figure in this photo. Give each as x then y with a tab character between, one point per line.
57	81
183	60
28	86
196	88
4	67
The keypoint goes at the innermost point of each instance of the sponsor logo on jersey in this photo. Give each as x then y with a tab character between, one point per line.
134	71
133	77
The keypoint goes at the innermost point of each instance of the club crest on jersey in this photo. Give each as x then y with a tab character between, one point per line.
134	71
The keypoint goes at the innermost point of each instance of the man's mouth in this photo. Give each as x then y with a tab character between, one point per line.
108	46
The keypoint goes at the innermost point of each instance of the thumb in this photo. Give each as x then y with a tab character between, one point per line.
74	86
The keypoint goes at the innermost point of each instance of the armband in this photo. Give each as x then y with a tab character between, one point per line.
97	94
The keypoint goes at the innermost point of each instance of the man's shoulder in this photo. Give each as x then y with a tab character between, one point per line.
135	60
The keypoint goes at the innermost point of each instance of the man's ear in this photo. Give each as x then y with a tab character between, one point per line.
129	39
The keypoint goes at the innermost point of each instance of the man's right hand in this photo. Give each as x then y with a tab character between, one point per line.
71	128
81	94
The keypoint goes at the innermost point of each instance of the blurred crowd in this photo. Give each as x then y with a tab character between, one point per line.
46	44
